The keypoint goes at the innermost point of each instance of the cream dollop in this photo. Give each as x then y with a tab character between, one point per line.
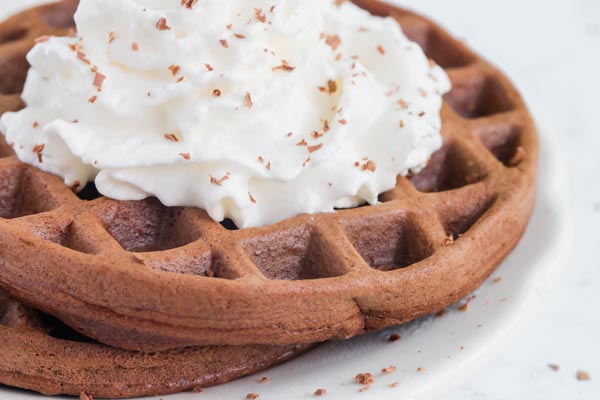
254	110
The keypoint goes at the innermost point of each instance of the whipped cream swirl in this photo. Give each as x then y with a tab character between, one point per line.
254	110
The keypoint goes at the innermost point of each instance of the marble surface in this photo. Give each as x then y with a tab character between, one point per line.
551	49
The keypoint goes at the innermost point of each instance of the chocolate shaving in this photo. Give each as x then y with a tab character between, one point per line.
38	149
248	100
175	69
364	379
260	15
285	66
394	337
189	4
312	149
333	41
82	57
99	81
219	182
162	25
389	370
172	137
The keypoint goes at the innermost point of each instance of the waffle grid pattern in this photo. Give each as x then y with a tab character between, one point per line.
335	275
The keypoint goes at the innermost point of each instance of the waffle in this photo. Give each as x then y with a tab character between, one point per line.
141	276
39	353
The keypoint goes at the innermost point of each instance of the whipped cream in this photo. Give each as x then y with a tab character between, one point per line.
254	110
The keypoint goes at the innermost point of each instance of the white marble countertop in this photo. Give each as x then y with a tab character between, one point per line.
551	49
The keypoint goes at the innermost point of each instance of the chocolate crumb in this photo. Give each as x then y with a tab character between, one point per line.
83	58
252	396
420	369
172	137
217	93
253	200
332	86
93	99
554	367
394	337
99	80
38	149
111	37
185	156
364	388
364	379
389	370
135	46
260	15
219	182
264	379
162	25
583	376
333	41
381	50
224	43
285	66
248	100
175	69
312	149
320	392
497	280
189	4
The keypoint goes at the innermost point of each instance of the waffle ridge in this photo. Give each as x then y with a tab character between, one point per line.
142	276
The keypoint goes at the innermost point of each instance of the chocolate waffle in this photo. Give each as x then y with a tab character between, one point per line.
142	276
38	352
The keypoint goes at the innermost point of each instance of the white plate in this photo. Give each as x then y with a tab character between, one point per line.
447	348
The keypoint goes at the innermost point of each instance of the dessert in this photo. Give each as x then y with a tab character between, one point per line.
142	276
252	111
